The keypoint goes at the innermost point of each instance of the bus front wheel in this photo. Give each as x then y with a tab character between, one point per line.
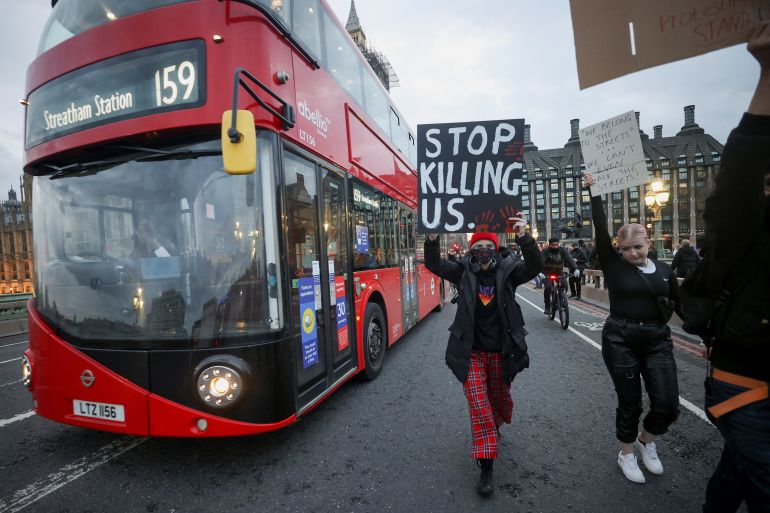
375	341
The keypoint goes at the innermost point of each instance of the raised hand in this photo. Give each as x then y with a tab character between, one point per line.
518	223
588	180
759	47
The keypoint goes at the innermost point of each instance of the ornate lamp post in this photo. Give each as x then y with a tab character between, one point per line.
655	198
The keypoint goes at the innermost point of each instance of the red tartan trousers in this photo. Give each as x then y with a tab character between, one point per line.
489	402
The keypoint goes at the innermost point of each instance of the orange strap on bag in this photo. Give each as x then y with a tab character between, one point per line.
758	391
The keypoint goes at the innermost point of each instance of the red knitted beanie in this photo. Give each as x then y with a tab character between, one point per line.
484	236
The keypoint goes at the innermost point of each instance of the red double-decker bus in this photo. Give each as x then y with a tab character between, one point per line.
176	296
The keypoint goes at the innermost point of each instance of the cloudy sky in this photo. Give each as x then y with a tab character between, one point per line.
465	61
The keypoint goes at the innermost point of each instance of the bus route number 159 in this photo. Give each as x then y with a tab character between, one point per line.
171	79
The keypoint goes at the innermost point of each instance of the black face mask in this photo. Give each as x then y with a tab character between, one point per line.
483	255
553	250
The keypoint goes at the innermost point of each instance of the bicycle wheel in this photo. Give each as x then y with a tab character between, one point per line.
563	310
554	302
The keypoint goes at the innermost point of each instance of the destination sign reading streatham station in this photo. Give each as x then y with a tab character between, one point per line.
151	80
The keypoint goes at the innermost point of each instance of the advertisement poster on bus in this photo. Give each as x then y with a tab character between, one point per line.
362	239
612	152
614	38
308	322
470	175
342	314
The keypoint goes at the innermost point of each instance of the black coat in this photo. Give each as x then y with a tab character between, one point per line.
553	265
509	273
737	216
685	261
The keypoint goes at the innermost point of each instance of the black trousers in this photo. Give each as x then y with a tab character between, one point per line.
632	350
575	284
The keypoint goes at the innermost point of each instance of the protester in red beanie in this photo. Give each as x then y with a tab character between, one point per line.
486	346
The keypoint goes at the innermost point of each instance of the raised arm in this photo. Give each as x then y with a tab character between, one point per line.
446	269
738	201
604	249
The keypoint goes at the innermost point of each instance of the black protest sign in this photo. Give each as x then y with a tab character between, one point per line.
470	175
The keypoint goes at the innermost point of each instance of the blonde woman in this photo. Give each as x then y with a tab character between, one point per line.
636	340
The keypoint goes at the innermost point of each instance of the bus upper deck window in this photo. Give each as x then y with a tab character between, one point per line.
72	17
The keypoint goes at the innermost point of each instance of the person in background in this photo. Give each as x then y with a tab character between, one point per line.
581	260
515	251
593	256
636	340
652	253
685	260
147	244
555	258
737	243
486	347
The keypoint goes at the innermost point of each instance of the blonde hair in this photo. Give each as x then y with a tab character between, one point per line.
631	230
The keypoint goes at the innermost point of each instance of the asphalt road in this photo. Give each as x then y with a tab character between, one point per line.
400	443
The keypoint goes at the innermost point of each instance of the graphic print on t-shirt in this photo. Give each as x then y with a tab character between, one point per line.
486	294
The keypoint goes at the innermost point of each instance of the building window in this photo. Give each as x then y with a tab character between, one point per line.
682	161
715	156
539	187
699	158
570	184
683	175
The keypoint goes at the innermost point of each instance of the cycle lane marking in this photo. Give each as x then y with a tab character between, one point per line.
684	402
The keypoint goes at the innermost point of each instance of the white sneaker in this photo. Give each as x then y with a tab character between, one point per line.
630	468
649	456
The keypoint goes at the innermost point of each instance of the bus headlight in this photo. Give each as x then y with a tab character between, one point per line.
219	385
26	372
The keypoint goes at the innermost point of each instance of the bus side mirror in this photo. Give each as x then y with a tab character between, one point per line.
239	142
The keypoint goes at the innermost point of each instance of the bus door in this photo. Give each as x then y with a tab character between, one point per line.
319	269
407	262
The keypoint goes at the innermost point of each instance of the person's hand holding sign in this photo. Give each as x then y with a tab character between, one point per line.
517	223
588	180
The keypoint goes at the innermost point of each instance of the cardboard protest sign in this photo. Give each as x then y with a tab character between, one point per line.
617	37
613	154
470	175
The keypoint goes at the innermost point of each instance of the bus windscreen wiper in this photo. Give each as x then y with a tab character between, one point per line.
139	154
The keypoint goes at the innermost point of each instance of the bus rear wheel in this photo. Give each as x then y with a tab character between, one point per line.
375	341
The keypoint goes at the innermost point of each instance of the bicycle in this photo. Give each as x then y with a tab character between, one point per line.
559	301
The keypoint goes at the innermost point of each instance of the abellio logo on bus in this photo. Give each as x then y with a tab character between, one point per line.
315	116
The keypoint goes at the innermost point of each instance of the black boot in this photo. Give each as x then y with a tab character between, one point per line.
485	481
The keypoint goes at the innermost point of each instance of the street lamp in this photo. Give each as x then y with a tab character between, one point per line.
655	198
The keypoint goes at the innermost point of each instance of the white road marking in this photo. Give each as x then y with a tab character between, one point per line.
684	402
15	344
16	418
20	499
10	383
590	326
12	360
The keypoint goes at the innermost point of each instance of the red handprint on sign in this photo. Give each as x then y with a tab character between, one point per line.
514	149
508	213
484	220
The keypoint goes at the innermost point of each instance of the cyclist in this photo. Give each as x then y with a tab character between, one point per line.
636	339
555	258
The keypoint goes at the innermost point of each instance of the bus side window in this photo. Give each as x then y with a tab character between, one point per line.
306	25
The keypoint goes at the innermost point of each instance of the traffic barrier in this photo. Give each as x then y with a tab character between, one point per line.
13	313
